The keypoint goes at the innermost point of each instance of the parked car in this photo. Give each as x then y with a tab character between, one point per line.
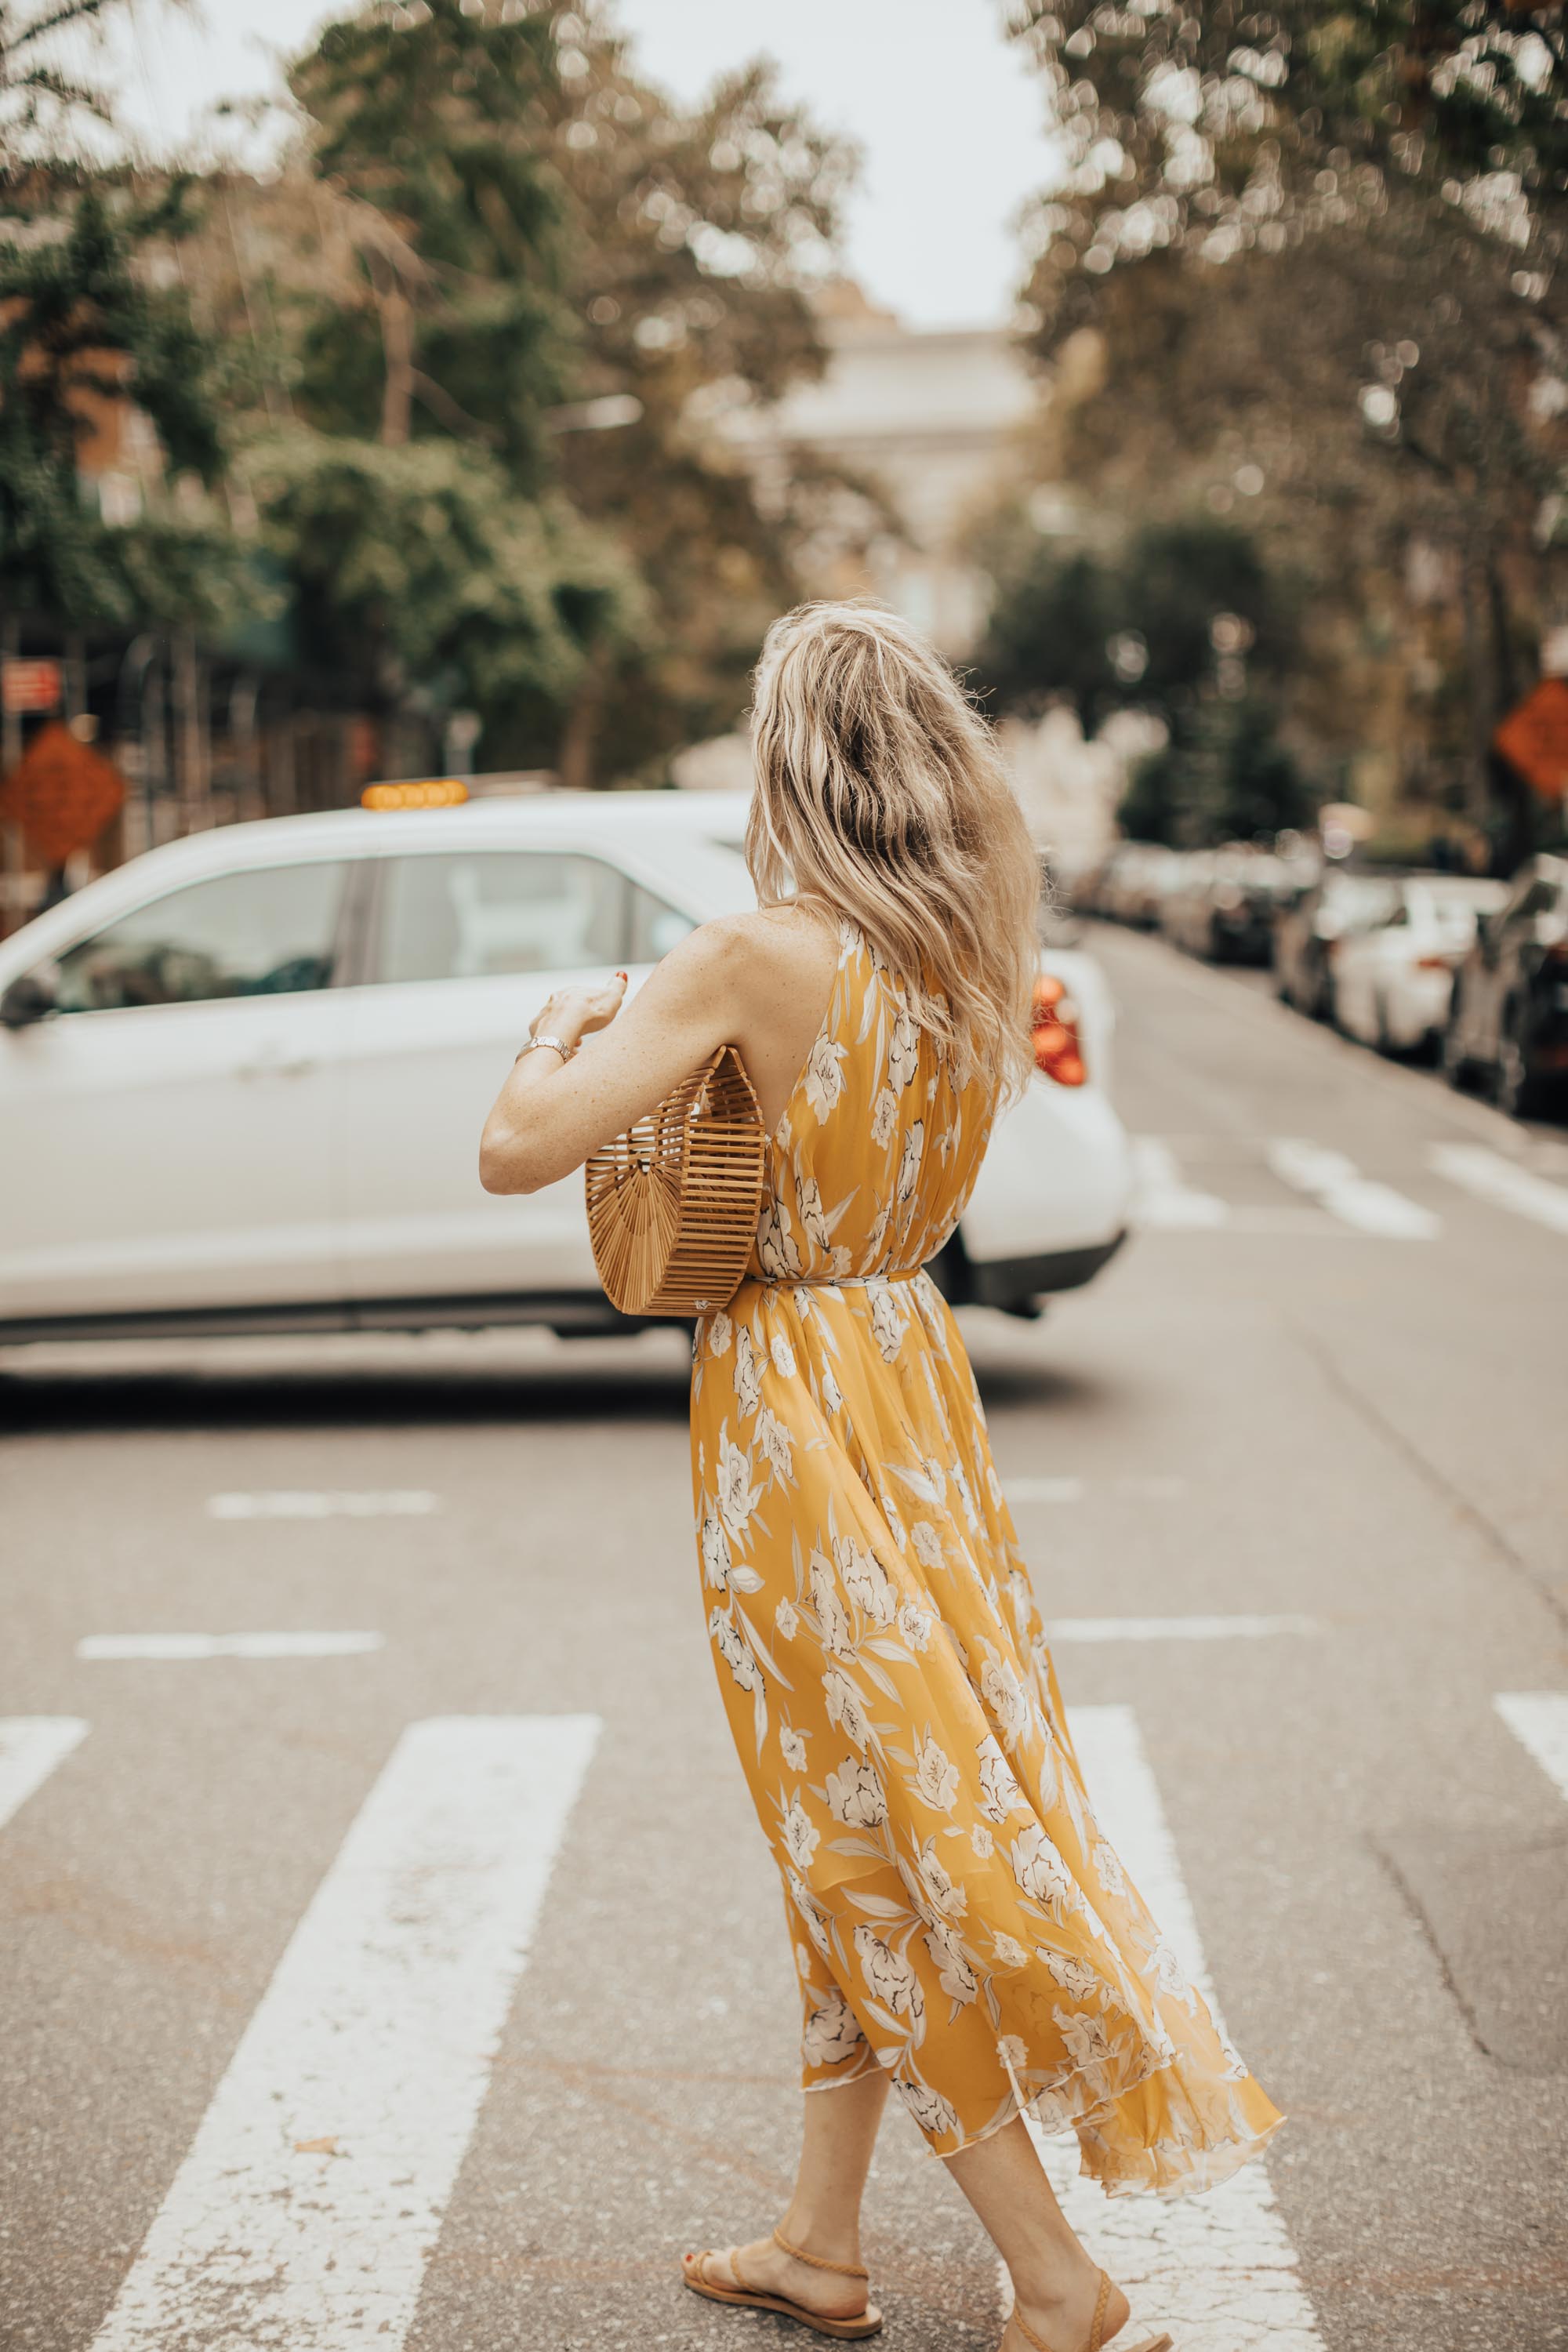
1394	979
1135	881
1223	901
1508	1024
243	1076
1307	925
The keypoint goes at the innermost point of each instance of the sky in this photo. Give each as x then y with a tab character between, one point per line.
949	123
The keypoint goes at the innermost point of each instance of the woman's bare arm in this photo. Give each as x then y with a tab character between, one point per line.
729	982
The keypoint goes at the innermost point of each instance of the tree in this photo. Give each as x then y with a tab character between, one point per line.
1136	626
493	236
1320	255
1223	775
84	332
419	570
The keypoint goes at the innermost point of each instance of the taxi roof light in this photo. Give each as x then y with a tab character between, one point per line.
426	792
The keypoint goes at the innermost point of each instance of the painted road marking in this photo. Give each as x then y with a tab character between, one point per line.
1163	1196
227	1646
1218	2270
325	1503
1538	1719
308	2206
1178	1628
1502	1182
31	1746
1338	1185
1073	1490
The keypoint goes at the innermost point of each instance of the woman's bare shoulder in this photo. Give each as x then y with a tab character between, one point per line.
772	949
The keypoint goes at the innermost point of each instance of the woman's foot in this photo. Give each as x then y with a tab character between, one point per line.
1065	2322
764	2268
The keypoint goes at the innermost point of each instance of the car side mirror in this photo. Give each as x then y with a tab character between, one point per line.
31	997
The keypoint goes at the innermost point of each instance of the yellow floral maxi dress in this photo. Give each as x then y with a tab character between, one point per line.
956	1915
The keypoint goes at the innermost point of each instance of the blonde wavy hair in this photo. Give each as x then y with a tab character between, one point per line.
880	794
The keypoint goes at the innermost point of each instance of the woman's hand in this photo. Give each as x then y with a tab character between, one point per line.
573	1012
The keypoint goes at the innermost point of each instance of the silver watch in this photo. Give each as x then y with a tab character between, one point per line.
556	1045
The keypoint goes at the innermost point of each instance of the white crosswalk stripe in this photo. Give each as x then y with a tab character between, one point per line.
330	1503
185	1646
1502	1182
1539	1720
1164	1197
1342	1199
302	2217
31	1746
1338	1185
1178	1628
1218	2270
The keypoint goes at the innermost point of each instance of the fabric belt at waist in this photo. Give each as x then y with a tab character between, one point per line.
830	1281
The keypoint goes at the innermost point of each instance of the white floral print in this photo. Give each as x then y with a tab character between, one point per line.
832	1617
1000	1794
903	1050
935	2115
866	1580
1039	1868
962	1922
737	1495
889	1975
800	1834
845	1711
936	1776
824	1075
856	1797
927	1544
748	1376
831	2034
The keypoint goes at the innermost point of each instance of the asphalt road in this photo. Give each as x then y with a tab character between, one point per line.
1292	1477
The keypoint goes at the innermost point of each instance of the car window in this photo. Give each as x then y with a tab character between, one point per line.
487	913
267	932
656	927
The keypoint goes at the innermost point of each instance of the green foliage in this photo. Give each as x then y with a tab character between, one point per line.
432	132
491	225
1317	255
1136	627
81	322
421	565
1223	776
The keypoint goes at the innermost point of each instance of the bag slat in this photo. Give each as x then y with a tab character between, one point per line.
673	1203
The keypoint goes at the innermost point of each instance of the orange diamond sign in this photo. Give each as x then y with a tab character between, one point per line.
1533	738
62	793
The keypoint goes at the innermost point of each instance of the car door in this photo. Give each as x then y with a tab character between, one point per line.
466	946
173	1117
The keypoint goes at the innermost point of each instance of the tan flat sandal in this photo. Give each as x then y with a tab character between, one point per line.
753	2298
1161	2343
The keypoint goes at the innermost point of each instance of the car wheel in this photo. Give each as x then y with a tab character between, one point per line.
1513	1084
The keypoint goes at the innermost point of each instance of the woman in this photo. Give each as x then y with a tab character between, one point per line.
961	1930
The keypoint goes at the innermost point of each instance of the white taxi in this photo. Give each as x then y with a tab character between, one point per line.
242	1078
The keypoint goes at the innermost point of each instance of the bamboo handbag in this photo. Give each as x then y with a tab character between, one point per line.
672	1204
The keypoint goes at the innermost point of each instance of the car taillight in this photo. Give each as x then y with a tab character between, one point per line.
1059	1051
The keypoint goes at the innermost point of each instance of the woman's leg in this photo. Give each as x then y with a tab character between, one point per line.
1055	2281
823	2217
